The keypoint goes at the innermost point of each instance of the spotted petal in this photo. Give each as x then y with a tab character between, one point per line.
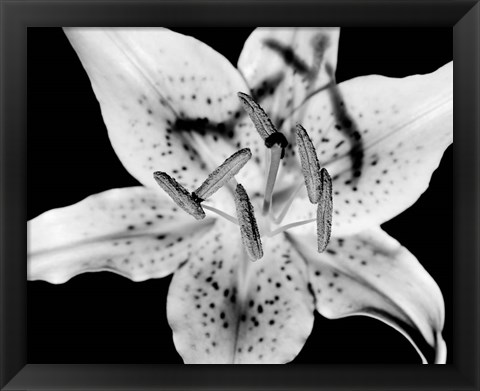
223	308
158	90
135	232
372	274
381	140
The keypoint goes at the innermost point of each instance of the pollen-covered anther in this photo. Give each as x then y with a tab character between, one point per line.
248	224
260	119
179	195
324	211
222	174
309	163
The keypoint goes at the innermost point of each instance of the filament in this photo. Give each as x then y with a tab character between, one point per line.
297	187
291	225
220	213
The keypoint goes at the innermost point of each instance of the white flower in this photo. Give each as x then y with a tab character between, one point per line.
170	104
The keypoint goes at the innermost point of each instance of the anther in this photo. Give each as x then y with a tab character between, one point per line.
324	211
248	224
222	174
260	119
310	164
179	195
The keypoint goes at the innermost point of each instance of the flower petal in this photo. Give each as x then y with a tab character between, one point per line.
135	232
223	308
383	146
283	66
157	90
372	274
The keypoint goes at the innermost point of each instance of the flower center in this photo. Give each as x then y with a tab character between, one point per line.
253	227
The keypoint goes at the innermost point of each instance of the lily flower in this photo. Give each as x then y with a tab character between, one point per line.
255	261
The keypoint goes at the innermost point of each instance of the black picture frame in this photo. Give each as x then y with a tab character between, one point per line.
16	16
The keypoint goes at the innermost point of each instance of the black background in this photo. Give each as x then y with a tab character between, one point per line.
105	318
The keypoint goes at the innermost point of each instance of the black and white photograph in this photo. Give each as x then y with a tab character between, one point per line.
270	195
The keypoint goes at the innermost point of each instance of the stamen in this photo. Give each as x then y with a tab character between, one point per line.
260	119
248	224
262	123
179	195
223	174
310	164
324	211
